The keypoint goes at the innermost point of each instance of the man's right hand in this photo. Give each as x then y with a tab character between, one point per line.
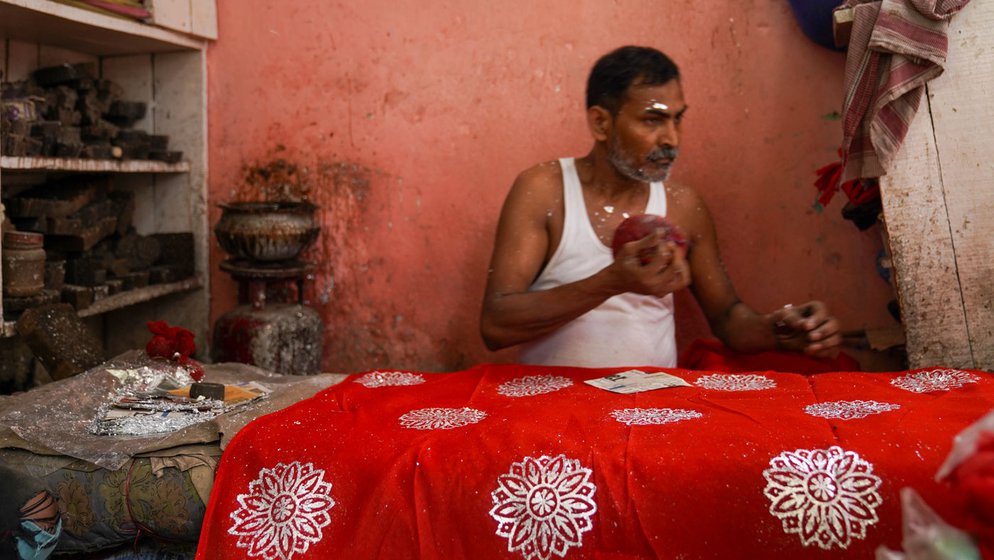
651	266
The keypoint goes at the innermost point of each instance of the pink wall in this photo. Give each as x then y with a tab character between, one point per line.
412	122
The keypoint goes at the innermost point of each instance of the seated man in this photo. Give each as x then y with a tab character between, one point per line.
555	287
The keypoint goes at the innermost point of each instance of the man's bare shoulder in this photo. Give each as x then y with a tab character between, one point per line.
542	175
538	187
683	199
686	207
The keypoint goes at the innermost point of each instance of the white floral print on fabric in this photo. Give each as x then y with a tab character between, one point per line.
283	512
531	385
735	382
543	506
826	496
441	418
650	416
934	380
849	410
376	379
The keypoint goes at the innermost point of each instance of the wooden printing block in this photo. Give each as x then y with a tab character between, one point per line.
176	251
100	130
162	275
36	225
97	150
63	73
68	135
59	340
21	128
141	251
158	142
133	280
109	91
119	268
85	272
17	365
91	107
14	306
100	292
132	150
133	143
80	221
84	84
65	97
126	113
68	150
55	274
46	130
33	147
115	286
85	240
68	117
165	156
79	297
15	145
207	390
124	209
53	200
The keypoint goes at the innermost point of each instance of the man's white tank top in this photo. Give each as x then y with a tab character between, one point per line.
626	330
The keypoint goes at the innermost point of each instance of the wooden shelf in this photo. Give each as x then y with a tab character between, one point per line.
125	299
44	21
90	165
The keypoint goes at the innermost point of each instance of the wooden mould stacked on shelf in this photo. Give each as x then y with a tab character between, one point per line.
166	69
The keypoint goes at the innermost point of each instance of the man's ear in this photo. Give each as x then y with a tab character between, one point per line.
599	121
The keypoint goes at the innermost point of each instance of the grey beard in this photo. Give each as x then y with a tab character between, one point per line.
626	168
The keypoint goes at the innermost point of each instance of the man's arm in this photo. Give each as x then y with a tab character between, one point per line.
806	328
512	314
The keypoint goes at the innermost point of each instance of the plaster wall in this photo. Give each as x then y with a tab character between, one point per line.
407	123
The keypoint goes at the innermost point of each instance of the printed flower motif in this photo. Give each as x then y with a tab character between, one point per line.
531	385
735	382
849	410
934	380
543	506
441	418
650	416
74	501
376	379
283	512
827	496
168	505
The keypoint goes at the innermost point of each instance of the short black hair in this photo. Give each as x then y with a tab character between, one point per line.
624	67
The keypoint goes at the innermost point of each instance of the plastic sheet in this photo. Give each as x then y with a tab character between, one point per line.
56	419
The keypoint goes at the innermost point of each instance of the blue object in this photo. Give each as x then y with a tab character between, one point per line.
815	17
37	543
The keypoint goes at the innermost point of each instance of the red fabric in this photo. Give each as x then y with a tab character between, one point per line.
339	476
973	484
712	355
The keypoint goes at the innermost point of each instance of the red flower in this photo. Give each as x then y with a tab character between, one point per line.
174	344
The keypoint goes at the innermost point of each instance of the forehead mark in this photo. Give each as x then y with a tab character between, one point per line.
659	106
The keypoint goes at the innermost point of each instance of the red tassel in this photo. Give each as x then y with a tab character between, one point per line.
859	191
827	182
